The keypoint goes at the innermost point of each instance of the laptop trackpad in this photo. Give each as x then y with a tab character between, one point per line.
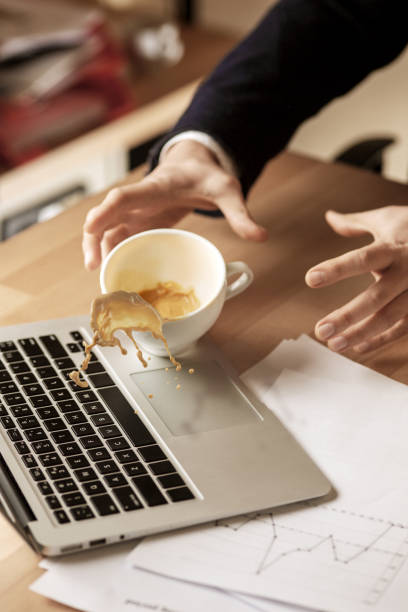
190	403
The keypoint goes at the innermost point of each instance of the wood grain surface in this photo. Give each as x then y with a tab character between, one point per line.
42	276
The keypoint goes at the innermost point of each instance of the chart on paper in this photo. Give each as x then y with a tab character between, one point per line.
350	560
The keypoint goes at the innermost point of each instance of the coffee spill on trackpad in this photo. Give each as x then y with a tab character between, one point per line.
127	312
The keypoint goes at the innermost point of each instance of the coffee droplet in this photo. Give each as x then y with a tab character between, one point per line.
191	371
178	386
150	395
178	367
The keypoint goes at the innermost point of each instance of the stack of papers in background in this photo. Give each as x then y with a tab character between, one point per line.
346	553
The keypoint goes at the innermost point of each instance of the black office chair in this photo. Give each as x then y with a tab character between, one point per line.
366	154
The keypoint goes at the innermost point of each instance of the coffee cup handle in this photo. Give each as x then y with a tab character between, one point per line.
242	282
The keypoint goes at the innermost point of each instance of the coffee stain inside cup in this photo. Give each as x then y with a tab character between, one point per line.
129	312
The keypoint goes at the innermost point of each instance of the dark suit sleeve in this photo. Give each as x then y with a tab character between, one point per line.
303	54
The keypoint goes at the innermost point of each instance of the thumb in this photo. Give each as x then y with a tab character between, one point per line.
241	222
350	224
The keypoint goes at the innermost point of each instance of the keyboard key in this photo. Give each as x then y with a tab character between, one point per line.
14	435
12	356
34	435
104	504
34	389
70	448
149	490
8	387
94	408
2	366
90	442
39	401
21	448
19	367
115	480
68	406
47	413
61	516
54	383
76	335
152	453
40	362
3	410
180	494
116	444
94	488
127	499
109	431
28	422
19	411
124	413
84	429
50	459
77	461
107	467
54	424
60	437
86	396
30	347
73	499
43	446
7	422
99	454
14	399
73	347
101	380
126	456
27	378
29	460
85	474
64	363
37	474
60	394
81	513
73	418
7	345
94	367
53	502
66	485
53	346
46	372
45	488
135	469
101	419
57	472
171	480
4	376
161	467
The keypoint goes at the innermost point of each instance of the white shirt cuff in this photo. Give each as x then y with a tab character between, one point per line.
208	141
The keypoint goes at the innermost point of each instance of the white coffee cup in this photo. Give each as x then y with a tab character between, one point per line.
162	255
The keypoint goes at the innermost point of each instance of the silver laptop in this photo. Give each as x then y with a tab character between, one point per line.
137	452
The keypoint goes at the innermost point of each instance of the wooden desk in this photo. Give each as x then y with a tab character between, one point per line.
42	276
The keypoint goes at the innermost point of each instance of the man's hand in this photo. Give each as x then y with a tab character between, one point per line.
379	314
189	177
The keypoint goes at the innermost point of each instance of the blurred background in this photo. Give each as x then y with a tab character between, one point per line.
86	87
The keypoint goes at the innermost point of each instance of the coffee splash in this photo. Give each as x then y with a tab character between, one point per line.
121	311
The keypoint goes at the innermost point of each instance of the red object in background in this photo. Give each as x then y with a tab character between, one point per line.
95	93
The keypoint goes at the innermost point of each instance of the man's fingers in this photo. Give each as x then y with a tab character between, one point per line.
372	326
397	331
350	224
360	261
112	237
241	222
92	251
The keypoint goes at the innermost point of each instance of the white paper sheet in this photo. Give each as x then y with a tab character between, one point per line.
346	555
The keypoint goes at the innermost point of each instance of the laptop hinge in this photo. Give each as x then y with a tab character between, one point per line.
12	500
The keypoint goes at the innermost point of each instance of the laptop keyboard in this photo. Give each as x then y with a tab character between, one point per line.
86	450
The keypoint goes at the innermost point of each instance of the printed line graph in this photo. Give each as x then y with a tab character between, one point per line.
361	553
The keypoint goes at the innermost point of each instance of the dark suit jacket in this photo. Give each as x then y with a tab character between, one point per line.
302	54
